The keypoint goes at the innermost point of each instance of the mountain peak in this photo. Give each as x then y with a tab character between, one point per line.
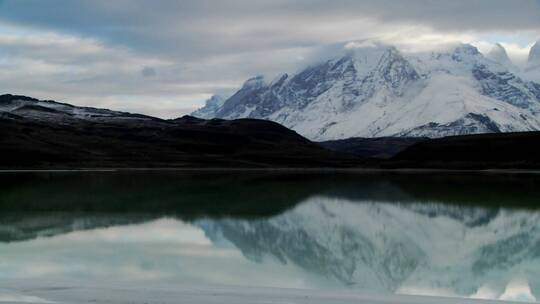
464	51
466	48
364	57
498	54
374	90
254	83
534	54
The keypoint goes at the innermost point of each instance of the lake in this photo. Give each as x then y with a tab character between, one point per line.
430	234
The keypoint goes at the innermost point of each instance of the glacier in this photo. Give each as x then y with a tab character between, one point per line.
376	90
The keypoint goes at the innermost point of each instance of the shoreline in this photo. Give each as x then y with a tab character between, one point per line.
35	291
285	170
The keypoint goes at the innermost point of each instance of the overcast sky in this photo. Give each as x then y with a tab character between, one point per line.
165	57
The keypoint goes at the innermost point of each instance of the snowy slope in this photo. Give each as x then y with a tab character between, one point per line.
534	55
532	71
375	90
498	54
210	107
43	110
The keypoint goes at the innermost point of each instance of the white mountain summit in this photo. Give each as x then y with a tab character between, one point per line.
534	56
498	54
376	90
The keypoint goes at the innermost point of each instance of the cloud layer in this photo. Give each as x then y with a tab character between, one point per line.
165	57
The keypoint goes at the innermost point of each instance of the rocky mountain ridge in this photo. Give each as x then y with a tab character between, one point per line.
376	90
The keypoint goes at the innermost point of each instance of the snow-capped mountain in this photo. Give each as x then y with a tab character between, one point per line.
388	247
534	56
498	54
210	107
375	90
532	70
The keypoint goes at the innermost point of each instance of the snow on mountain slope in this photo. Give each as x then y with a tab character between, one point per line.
534	55
42	110
532	71
410	248
211	106
498	54
375	90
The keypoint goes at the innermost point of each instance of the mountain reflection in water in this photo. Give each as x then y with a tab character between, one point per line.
451	235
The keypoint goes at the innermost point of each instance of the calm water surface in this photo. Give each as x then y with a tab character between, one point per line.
426	234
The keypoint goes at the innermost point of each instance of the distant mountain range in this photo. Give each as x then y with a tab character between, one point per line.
47	134
375	90
37	134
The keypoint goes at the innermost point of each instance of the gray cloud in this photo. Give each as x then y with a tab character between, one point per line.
148	72
206	27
